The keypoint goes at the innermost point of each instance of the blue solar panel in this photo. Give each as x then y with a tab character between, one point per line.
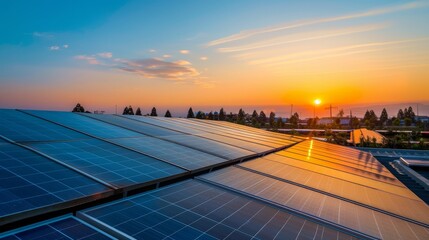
171	152
194	210
61	228
85	124
19	126
137	126
29	181
164	124
108	162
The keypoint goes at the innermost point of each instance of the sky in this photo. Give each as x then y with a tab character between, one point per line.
265	55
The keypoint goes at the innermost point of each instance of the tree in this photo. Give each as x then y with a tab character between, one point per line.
396	122
130	110
210	116
272	119
409	113
383	117
138	112
215	116
280	123
255	118
294	120
200	115
222	115
125	112
400	115
354	122
340	113
167	114
241	117
78	108
153	112
190	113
262	118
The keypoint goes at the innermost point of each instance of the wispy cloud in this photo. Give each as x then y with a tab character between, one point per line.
54	48
105	55
66	46
89	59
249	33
184	51
152	50
42	35
166	56
307	36
204	58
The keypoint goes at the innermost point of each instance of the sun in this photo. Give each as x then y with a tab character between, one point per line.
317	101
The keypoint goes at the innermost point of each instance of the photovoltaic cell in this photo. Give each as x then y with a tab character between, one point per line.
29	181
171	152
19	127
254	147
108	162
137	126
85	124
209	146
331	209
194	210
393	203
63	228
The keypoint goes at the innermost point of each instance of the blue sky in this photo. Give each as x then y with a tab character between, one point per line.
93	51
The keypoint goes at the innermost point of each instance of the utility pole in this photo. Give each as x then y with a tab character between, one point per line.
291	110
330	110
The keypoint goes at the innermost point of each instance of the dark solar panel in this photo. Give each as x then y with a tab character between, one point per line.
316	204
164	124
108	162
137	126
209	146
254	147
62	228
85	124
19	126
171	152
194	210
29	181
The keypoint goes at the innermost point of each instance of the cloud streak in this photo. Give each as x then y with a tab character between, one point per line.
381	11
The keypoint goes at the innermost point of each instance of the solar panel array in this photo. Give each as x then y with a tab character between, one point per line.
310	190
55	160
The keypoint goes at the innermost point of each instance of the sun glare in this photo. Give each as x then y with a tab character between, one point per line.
317	101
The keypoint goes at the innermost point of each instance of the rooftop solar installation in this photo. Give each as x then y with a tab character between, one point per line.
110	163
60	228
30	182
84	124
19	126
282	187
194	210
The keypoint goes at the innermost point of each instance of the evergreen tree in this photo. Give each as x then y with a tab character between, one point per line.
400	115
222	115
210	116
125	112
230	117
190	113
78	108
167	114
262	118
272	119
138	112
130	110
409	113
153	112
241	117
255	119
383	117
215	116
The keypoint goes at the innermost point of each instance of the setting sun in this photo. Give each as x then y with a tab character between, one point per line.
317	101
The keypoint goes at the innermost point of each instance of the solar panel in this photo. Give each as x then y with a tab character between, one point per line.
334	210
29	181
393	203
194	210
108	162
254	147
209	146
137	126
85	124
19	126
59	228
168	125
171	152
250	137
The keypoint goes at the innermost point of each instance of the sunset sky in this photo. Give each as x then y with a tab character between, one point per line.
213	53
